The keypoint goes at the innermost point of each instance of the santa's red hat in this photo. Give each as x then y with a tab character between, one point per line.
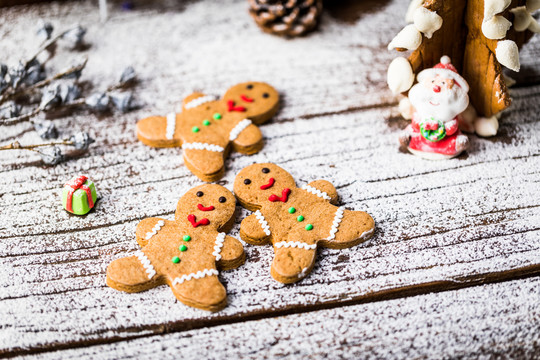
447	70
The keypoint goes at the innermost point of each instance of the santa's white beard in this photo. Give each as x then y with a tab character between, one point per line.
450	102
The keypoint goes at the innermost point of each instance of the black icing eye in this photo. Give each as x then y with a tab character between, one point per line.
265	170
199	193
266	95
222	199
249	87
247	181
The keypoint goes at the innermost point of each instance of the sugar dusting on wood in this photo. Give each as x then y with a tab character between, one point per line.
447	324
436	221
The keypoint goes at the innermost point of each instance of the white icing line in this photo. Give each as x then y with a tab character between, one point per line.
366	234
317	192
197	275
336	222
155	229
263	222
219	245
239	128
295	244
171	125
202	146
199	101
146	264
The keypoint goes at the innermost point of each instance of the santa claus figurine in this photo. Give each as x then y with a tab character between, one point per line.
437	103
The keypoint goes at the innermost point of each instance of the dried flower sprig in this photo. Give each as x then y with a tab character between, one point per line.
30	71
52	154
68	95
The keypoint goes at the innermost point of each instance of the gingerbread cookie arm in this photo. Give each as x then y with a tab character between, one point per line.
160	131
195	99
133	273
348	228
323	189
246	138
149	229
229	252
255	230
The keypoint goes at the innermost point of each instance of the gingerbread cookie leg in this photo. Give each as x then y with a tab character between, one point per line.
201	290
133	274
246	138
292	261
205	160
229	254
349	228
255	230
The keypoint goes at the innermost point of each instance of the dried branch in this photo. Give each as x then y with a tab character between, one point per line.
18	92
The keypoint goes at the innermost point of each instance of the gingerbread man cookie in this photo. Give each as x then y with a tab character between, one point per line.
186	252
207	128
295	220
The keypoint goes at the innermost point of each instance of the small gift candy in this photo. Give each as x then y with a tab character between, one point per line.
79	195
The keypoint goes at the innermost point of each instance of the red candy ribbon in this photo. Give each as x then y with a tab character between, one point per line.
191	218
75	184
269	185
246	99
284	196
230	103
205	208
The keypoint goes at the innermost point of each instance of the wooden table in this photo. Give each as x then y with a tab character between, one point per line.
452	270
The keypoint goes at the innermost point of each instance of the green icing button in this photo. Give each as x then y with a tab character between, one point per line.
79	200
182	248
176	259
195	129
292	210
206	122
186	237
309	227
217	116
300	218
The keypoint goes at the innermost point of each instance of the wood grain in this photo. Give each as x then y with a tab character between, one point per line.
438	325
440	225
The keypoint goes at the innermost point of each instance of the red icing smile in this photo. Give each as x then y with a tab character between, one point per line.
284	196
231	106
246	99
191	218
203	208
269	185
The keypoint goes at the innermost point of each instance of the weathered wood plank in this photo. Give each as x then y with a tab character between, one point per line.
439	224
486	321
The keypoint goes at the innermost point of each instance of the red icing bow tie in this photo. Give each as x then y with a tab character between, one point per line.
231	106
191	218
205	208
269	185
284	196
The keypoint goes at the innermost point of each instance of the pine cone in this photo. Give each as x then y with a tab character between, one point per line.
286	17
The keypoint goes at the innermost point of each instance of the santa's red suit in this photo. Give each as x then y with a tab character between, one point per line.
445	146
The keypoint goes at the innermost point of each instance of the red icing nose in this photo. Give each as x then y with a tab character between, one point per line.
205	208
436	88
